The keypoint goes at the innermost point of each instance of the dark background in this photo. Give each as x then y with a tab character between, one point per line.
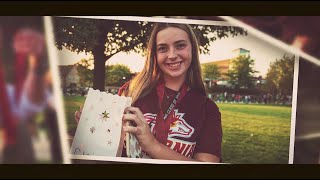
308	92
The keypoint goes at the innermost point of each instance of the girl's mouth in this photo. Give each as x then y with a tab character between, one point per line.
174	65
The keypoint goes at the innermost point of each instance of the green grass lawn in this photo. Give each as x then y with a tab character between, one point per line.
72	104
255	133
251	133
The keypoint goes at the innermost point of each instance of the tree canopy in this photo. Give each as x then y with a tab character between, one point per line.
242	72
211	71
105	38
117	75
279	78
85	73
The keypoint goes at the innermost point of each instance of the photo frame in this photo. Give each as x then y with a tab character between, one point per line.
243	110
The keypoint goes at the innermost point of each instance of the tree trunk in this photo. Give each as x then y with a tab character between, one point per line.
100	59
99	67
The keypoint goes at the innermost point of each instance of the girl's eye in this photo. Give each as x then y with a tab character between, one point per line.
181	46
162	49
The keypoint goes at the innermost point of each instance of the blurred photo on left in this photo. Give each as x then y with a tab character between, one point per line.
29	129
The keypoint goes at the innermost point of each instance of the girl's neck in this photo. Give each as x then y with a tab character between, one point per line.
174	83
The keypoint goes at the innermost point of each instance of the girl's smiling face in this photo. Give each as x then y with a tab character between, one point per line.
173	52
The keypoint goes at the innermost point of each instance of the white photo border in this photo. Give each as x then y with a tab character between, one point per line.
52	55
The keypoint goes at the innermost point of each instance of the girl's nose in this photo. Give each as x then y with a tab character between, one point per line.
172	54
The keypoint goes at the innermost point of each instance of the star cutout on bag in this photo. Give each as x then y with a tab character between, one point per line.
104	116
92	129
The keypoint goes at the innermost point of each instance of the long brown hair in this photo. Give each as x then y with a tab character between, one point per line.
146	80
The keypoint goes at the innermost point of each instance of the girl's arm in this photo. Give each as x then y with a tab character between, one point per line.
154	148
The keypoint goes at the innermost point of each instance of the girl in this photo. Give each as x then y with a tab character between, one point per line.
22	101
173	117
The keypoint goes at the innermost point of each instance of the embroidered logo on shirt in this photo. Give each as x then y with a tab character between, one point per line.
180	128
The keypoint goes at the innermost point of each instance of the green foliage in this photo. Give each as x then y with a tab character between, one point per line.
85	73
71	105
242	72
211	71
64	71
280	75
82	34
79	35
105	38
207	34
117	75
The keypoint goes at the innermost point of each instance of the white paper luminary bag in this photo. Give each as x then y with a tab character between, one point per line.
99	129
